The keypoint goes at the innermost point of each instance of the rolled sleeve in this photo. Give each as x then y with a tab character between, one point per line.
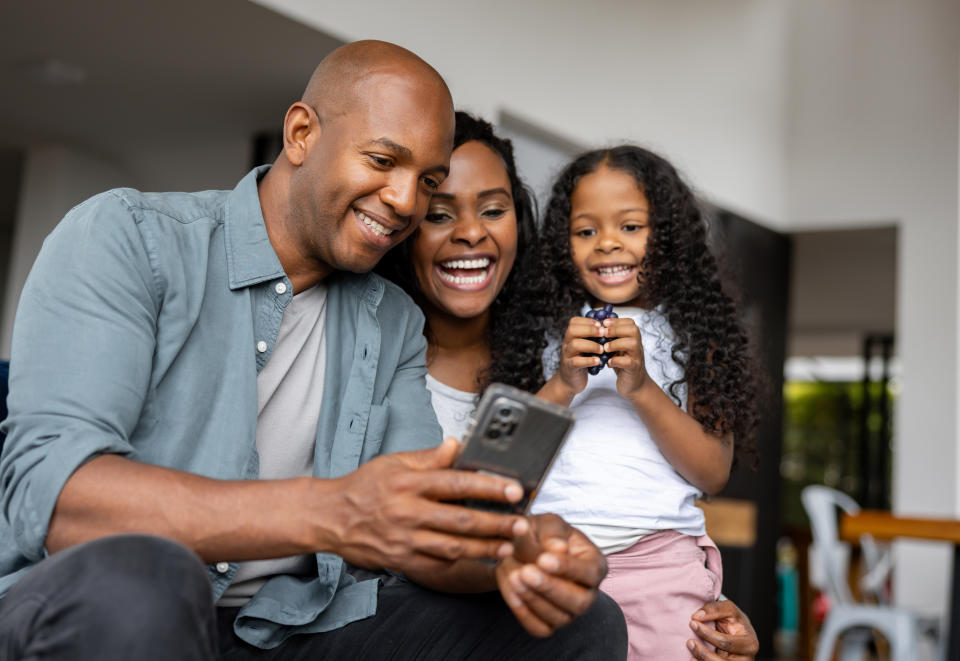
83	344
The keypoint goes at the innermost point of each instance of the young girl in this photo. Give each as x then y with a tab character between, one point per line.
662	425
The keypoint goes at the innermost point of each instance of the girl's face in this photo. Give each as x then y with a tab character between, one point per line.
467	243
609	226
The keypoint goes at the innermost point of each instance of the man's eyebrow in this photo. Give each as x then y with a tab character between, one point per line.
405	152
393	146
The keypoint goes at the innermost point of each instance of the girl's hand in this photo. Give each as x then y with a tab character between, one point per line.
577	341
626	346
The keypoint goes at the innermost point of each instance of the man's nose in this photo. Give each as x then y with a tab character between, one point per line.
401	195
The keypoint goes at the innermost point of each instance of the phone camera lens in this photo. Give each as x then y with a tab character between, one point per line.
505	413
493	433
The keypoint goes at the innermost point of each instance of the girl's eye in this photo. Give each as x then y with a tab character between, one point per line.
437	216
633	227
585	232
431	183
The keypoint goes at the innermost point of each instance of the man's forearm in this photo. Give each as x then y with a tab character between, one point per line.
220	520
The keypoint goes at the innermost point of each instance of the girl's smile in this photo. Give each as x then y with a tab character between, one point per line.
609	227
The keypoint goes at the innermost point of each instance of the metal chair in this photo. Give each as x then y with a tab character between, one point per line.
849	622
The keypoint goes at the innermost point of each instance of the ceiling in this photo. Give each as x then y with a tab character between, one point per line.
111	75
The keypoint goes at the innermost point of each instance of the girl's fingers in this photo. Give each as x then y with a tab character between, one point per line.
623	345
624	327
579	346
582	362
582	327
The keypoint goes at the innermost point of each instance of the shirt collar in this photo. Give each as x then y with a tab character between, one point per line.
251	258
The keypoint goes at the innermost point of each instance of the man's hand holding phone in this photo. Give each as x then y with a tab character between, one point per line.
552	577
393	513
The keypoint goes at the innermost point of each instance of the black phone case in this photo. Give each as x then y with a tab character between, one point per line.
514	434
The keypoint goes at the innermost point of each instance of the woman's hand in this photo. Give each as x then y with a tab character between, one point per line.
626	345
734	636
552	577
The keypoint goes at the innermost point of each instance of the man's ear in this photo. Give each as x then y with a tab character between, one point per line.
300	127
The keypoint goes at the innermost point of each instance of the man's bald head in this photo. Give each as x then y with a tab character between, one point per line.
364	151
337	84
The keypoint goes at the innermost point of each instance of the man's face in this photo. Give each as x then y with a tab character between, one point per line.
368	175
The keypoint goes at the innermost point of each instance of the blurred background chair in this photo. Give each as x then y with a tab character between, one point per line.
851	623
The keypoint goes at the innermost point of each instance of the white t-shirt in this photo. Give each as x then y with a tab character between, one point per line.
453	407
610	480
289	394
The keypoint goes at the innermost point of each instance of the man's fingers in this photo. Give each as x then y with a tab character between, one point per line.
462	485
433	458
459	520
450	547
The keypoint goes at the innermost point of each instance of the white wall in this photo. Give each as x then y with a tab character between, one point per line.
701	80
57	177
873	137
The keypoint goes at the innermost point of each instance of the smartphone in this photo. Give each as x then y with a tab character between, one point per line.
513	434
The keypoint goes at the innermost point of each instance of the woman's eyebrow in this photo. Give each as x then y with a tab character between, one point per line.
493	191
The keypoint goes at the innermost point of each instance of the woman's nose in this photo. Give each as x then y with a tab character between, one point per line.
469	230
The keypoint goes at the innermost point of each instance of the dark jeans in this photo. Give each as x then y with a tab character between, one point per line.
138	597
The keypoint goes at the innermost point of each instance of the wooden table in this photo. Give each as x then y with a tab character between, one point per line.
885	526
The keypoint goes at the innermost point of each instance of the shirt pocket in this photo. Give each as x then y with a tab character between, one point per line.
376	427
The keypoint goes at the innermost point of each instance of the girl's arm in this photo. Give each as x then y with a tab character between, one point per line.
702	458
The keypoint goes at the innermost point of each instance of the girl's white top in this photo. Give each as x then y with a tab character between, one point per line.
610	479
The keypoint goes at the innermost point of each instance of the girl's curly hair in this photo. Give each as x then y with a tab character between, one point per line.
515	335
679	273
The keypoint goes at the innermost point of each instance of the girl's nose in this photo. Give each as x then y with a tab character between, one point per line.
608	242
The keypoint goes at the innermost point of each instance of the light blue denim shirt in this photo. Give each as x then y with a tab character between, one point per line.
140	332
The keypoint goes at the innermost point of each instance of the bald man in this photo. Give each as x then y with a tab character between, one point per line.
220	444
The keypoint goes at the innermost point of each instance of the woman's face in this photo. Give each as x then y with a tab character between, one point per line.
466	245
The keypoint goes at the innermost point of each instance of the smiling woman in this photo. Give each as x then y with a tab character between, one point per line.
467	266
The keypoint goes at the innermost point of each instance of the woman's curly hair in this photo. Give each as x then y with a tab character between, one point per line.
515	335
679	273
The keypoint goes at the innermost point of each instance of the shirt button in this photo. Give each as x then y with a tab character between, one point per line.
223	567
261	346
281	288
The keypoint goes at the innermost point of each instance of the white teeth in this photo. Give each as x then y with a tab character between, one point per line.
374	225
619	269
480	263
464	280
